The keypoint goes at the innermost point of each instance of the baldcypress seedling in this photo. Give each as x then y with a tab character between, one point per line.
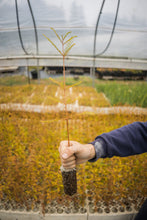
69	176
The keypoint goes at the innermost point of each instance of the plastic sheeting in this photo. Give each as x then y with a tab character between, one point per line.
80	17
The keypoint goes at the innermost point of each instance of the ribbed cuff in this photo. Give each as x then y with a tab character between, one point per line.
100	151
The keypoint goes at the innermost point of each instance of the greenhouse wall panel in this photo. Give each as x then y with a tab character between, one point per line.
122	24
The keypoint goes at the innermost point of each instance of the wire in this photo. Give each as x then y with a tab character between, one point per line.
94	46
112	33
18	27
19	30
35	29
109	42
96	28
36	38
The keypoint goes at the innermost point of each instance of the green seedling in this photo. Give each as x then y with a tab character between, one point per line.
66	45
69	177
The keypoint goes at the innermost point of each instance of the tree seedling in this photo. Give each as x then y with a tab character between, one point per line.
68	176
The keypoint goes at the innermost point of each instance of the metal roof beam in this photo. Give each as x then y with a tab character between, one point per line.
80	61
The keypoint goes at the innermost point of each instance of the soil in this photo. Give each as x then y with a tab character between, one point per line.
69	182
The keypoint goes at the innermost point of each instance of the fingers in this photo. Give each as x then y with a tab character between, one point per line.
69	154
63	150
63	146
67	151
72	158
69	163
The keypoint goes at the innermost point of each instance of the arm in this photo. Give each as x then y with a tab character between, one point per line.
125	141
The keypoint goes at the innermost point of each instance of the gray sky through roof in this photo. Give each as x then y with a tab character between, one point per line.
78	16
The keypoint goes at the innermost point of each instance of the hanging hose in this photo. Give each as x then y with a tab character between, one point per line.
19	30
109	42
94	46
36	38
35	29
112	32
96	28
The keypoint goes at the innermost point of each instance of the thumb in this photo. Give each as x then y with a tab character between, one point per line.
65	155
68	152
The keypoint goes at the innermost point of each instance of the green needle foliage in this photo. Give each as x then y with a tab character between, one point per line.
67	44
69	178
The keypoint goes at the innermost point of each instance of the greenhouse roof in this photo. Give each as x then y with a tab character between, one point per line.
113	32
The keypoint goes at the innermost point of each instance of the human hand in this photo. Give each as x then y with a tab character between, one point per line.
75	154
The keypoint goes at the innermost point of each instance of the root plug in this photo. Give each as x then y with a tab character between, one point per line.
69	179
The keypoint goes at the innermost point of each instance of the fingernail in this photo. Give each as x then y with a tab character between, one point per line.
64	156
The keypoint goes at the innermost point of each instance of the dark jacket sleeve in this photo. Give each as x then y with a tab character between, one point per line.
125	141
